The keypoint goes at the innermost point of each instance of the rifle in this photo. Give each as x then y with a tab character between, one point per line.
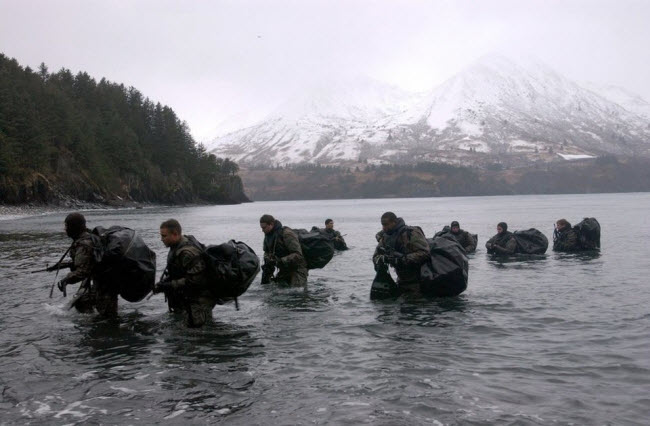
268	269
55	267
388	255
163	278
58	266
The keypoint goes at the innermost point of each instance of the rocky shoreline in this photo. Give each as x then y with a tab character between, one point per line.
9	211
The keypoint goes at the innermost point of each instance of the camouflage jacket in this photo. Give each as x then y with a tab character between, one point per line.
337	239
186	267
283	246
465	239
83	259
408	241
566	240
504	243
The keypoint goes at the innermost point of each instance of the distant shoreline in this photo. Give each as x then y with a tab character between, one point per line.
11	212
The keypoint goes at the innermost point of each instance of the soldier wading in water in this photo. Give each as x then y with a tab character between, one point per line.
337	238
93	293
403	247
503	242
282	250
185	281
564	237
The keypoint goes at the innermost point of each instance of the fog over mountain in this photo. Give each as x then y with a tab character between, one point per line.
495	106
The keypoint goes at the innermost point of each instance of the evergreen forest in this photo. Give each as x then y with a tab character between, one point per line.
65	136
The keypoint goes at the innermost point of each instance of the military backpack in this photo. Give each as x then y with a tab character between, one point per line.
317	249
531	241
231	268
588	233
123	259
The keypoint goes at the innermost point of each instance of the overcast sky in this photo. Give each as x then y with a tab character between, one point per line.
210	60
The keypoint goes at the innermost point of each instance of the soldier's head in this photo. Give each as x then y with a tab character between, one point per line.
267	223
563	224
329	224
75	225
388	221
455	227
170	232
502	227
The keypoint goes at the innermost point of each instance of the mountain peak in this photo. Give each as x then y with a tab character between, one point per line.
494	106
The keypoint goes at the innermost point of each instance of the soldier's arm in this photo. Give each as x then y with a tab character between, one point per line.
193	267
293	247
377	255
490	243
572	240
83	264
510	248
418	248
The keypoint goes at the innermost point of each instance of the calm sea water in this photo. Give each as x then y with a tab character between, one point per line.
557	338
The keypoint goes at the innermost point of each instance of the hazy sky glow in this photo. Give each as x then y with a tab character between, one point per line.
211	59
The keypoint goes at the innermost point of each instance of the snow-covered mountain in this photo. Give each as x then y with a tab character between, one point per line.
494	107
323	123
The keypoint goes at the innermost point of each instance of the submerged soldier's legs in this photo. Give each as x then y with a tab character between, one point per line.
199	312
84	299
299	278
106	303
411	288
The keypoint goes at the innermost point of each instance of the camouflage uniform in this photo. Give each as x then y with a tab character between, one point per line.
337	239
466	240
190	292
93	292
503	243
282	246
566	240
410	242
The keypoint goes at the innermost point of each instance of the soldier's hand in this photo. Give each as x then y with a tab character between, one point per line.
62	284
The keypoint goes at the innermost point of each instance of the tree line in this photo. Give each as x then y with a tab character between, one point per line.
69	135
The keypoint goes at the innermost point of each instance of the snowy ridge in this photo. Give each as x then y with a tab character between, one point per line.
493	107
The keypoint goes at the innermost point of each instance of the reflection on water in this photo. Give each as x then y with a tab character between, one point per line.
534	340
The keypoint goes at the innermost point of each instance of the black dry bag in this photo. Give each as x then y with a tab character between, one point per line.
339	244
384	286
317	249
232	267
531	241
588	233
123	260
447	271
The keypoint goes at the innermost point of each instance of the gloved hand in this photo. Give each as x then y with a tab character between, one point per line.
162	286
61	285
489	246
